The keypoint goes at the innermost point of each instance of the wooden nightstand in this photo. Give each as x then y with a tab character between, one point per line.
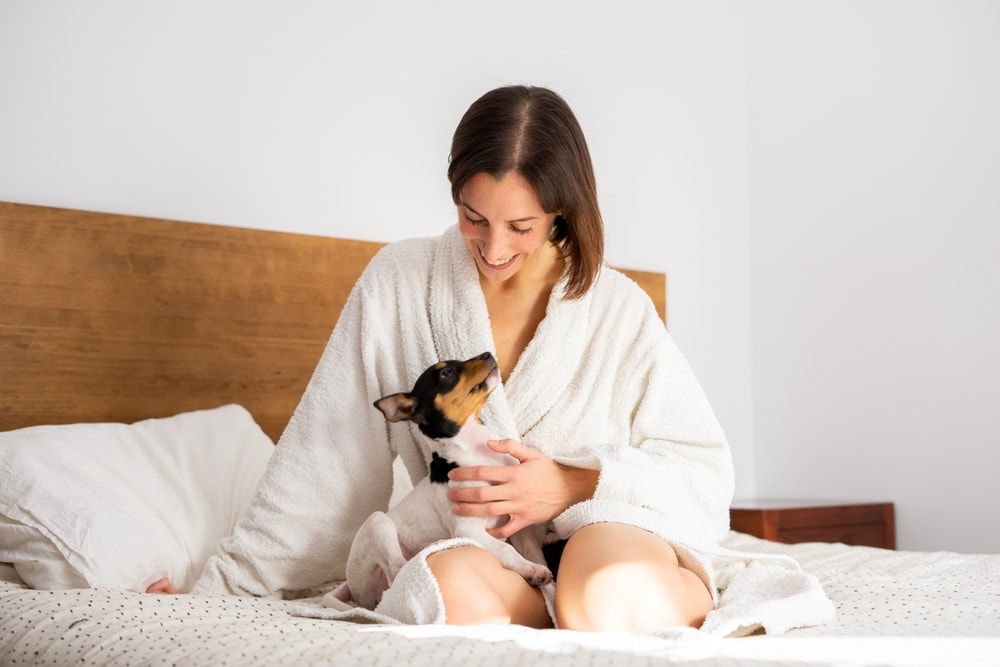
790	521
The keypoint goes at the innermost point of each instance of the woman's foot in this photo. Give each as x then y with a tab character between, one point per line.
163	587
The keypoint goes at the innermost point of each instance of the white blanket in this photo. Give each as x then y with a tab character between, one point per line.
601	385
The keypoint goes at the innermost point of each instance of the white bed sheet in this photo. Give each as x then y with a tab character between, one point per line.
894	608
881	592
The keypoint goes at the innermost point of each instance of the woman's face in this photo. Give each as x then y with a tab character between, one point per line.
504	225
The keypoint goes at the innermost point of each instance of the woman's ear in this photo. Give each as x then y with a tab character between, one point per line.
560	229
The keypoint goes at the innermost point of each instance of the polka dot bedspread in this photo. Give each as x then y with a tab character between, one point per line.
893	608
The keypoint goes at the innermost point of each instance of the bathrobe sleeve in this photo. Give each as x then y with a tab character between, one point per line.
678	462
332	466
667	465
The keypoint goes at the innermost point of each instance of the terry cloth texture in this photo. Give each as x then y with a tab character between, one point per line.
601	385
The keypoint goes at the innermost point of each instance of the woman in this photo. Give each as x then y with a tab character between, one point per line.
620	452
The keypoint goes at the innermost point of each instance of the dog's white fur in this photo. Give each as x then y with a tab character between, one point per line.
386	541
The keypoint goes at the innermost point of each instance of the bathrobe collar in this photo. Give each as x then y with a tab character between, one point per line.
461	328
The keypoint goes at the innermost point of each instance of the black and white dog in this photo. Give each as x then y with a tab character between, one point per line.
445	404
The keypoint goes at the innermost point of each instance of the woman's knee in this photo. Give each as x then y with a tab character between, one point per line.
477	589
617	577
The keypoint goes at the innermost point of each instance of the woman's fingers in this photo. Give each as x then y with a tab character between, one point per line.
505	529
488	474
512	447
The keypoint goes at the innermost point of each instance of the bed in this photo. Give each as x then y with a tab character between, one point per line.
121	334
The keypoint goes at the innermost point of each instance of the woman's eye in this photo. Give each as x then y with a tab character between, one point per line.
472	218
518	230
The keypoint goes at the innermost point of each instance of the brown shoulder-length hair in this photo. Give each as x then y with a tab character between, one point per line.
532	132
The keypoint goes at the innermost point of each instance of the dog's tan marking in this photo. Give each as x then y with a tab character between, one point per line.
469	395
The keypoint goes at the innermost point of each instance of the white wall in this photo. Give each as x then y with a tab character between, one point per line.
335	118
875	246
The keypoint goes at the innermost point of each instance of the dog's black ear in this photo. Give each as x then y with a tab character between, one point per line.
397	407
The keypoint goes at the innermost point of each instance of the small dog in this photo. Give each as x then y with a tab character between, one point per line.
445	403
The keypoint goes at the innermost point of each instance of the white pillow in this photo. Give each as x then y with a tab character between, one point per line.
122	505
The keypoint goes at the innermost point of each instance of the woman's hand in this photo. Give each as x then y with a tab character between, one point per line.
537	490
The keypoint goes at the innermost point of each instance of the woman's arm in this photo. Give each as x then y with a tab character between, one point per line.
677	468
331	468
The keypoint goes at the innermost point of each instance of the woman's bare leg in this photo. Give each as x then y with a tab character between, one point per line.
477	589
618	577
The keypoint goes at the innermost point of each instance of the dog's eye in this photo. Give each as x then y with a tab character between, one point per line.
446	372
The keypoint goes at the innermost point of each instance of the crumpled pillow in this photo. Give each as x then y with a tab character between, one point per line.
120	506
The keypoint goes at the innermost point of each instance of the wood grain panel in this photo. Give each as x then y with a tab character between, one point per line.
655	285
118	318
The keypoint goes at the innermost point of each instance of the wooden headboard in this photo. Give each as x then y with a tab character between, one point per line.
119	318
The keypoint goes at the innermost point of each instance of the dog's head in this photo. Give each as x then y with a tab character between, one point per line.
444	396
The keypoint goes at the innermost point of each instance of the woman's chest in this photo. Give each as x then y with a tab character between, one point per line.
514	320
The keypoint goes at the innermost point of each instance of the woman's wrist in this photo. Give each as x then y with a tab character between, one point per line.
581	484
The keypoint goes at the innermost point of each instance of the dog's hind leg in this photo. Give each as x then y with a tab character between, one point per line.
375	559
526	542
535	574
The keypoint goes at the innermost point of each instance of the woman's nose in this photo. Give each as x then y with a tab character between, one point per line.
495	244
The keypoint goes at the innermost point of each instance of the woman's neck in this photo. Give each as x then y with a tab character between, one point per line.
517	306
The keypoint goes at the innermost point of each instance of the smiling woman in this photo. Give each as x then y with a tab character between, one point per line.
616	441
523	182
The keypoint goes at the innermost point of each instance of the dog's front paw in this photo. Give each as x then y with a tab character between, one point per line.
537	575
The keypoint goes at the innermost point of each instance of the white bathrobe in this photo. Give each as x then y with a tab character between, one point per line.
601	385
